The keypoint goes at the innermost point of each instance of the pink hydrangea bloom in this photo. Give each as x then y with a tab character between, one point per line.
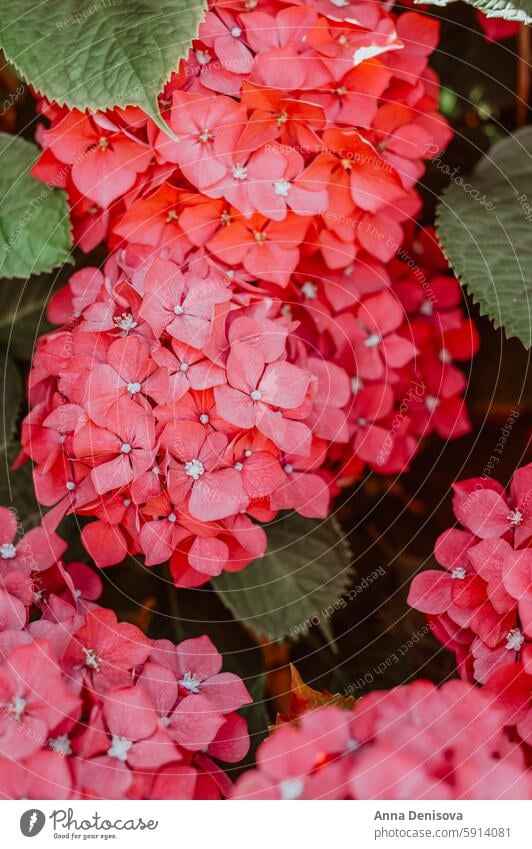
416	741
91	708
253	340
481	606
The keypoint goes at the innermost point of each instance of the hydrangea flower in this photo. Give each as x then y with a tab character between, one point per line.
416	741
92	708
481	606
252	293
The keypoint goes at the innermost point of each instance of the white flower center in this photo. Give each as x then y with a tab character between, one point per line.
204	419
255	395
514	640
372	340
7	551
70	485
356	384
127	502
362	422
239	467
445	356
119	748
248	452
16	707
165	720
282	187
133	388
339	3
194	468
172	518
190	682
178	309
125	322
240	172
204	137
125	448
459	573
60	744
92	661
288	468
184	367
431	403
426	308
236	32
515	518
291	789
310	290
62	439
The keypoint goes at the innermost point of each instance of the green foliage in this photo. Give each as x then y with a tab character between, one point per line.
99	55
516	10
304	571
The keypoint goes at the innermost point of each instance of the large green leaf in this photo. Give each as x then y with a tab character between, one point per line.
297	583
34	220
510	10
22	314
101	54
484	223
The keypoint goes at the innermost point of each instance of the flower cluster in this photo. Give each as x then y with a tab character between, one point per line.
256	339
481	606
92	708
416	741
175	407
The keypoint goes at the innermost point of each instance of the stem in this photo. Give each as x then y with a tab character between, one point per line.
523	74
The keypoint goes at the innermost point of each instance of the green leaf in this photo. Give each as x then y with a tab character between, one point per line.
101	54
297	582
34	219
484	223
516	10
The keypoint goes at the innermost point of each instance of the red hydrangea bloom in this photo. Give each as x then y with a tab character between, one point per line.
254	293
481	607
91	708
496	29
167	444
416	741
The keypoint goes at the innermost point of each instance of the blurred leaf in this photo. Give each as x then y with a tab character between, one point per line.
484	224
100	55
303	573
35	232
